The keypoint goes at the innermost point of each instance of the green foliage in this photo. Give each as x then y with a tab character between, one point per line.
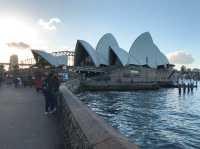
183	69
15	69
2	70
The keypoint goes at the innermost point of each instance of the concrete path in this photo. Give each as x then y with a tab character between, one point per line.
23	124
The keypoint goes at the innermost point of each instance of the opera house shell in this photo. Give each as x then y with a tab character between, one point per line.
43	57
107	53
143	52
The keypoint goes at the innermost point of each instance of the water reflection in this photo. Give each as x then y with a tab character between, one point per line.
152	119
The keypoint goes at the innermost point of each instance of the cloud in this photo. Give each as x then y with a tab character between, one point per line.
18	45
180	57
50	24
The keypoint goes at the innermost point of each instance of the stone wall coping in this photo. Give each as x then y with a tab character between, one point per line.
99	134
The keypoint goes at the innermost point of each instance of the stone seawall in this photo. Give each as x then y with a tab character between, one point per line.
83	129
108	86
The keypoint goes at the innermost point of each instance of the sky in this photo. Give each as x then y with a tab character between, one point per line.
57	25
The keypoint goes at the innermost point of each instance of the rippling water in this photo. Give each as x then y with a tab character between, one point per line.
152	119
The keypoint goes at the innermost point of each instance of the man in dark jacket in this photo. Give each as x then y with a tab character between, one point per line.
50	89
55	89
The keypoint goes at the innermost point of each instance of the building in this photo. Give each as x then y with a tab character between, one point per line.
13	62
143	52
143	63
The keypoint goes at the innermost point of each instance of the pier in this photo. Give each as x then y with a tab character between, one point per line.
186	87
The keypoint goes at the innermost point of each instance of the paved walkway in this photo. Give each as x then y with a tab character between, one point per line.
23	124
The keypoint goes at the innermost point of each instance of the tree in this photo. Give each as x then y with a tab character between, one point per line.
15	69
183	69
2	70
188	70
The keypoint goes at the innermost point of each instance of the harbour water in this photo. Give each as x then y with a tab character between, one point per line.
160	119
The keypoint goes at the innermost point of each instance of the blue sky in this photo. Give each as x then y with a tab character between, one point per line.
173	24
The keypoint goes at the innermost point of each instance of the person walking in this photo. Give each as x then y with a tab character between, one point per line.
44	90
47	94
38	83
15	81
50	87
55	89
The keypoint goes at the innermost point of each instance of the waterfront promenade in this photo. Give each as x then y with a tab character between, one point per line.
23	123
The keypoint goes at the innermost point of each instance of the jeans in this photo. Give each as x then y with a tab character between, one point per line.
49	102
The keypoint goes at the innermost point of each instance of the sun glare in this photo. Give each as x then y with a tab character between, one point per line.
15	30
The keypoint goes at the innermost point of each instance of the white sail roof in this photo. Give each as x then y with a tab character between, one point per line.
142	52
49	58
90	50
122	55
100	56
105	43
145	52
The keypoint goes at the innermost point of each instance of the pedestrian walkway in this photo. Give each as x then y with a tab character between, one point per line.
23	124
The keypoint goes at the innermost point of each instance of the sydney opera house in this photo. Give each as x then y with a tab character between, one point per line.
143	52
143	63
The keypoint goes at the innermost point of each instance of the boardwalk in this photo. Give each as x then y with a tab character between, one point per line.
23	124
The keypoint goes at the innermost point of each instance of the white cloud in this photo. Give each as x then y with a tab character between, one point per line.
180	57
50	24
19	45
